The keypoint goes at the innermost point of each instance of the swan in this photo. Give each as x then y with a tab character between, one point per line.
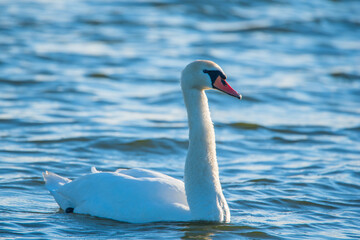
140	195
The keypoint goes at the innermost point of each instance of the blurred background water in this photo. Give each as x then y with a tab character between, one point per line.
96	83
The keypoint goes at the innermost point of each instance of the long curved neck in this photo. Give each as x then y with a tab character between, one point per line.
201	130
202	184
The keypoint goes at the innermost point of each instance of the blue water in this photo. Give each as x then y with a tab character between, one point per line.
96	83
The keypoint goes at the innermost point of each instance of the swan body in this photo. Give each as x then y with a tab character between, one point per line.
134	195
139	195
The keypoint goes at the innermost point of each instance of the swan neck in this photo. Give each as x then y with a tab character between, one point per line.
202	184
200	124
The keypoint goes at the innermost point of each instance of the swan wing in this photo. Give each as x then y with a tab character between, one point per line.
130	195
146	173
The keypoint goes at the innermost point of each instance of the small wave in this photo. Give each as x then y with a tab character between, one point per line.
18	150
249	26
265	28
346	76
22	183
99	75
304	204
19	82
284	129
286	140
158	145
301	130
254	99
263	181
257	235
246	126
59	140
350	187
163	99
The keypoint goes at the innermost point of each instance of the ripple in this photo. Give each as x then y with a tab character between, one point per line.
288	130
19	82
246	126
290	141
99	75
308	130
345	75
263	181
156	145
259	235
43	140
305	204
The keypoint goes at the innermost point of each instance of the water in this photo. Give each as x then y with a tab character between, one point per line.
96	83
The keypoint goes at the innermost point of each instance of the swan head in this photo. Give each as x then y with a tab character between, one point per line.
204	75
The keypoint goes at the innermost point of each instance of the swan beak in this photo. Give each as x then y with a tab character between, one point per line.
223	86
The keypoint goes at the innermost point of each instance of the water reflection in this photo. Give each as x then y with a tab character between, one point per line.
199	230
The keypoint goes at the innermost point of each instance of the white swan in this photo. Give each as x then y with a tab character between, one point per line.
139	195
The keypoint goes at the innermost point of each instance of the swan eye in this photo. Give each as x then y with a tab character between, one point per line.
214	75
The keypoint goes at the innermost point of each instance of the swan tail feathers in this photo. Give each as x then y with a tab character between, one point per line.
53	182
94	170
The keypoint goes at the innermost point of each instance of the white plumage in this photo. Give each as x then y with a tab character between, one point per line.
134	195
139	195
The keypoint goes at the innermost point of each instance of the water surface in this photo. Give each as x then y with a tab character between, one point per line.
96	83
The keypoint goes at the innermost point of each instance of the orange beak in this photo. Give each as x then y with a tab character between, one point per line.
223	86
